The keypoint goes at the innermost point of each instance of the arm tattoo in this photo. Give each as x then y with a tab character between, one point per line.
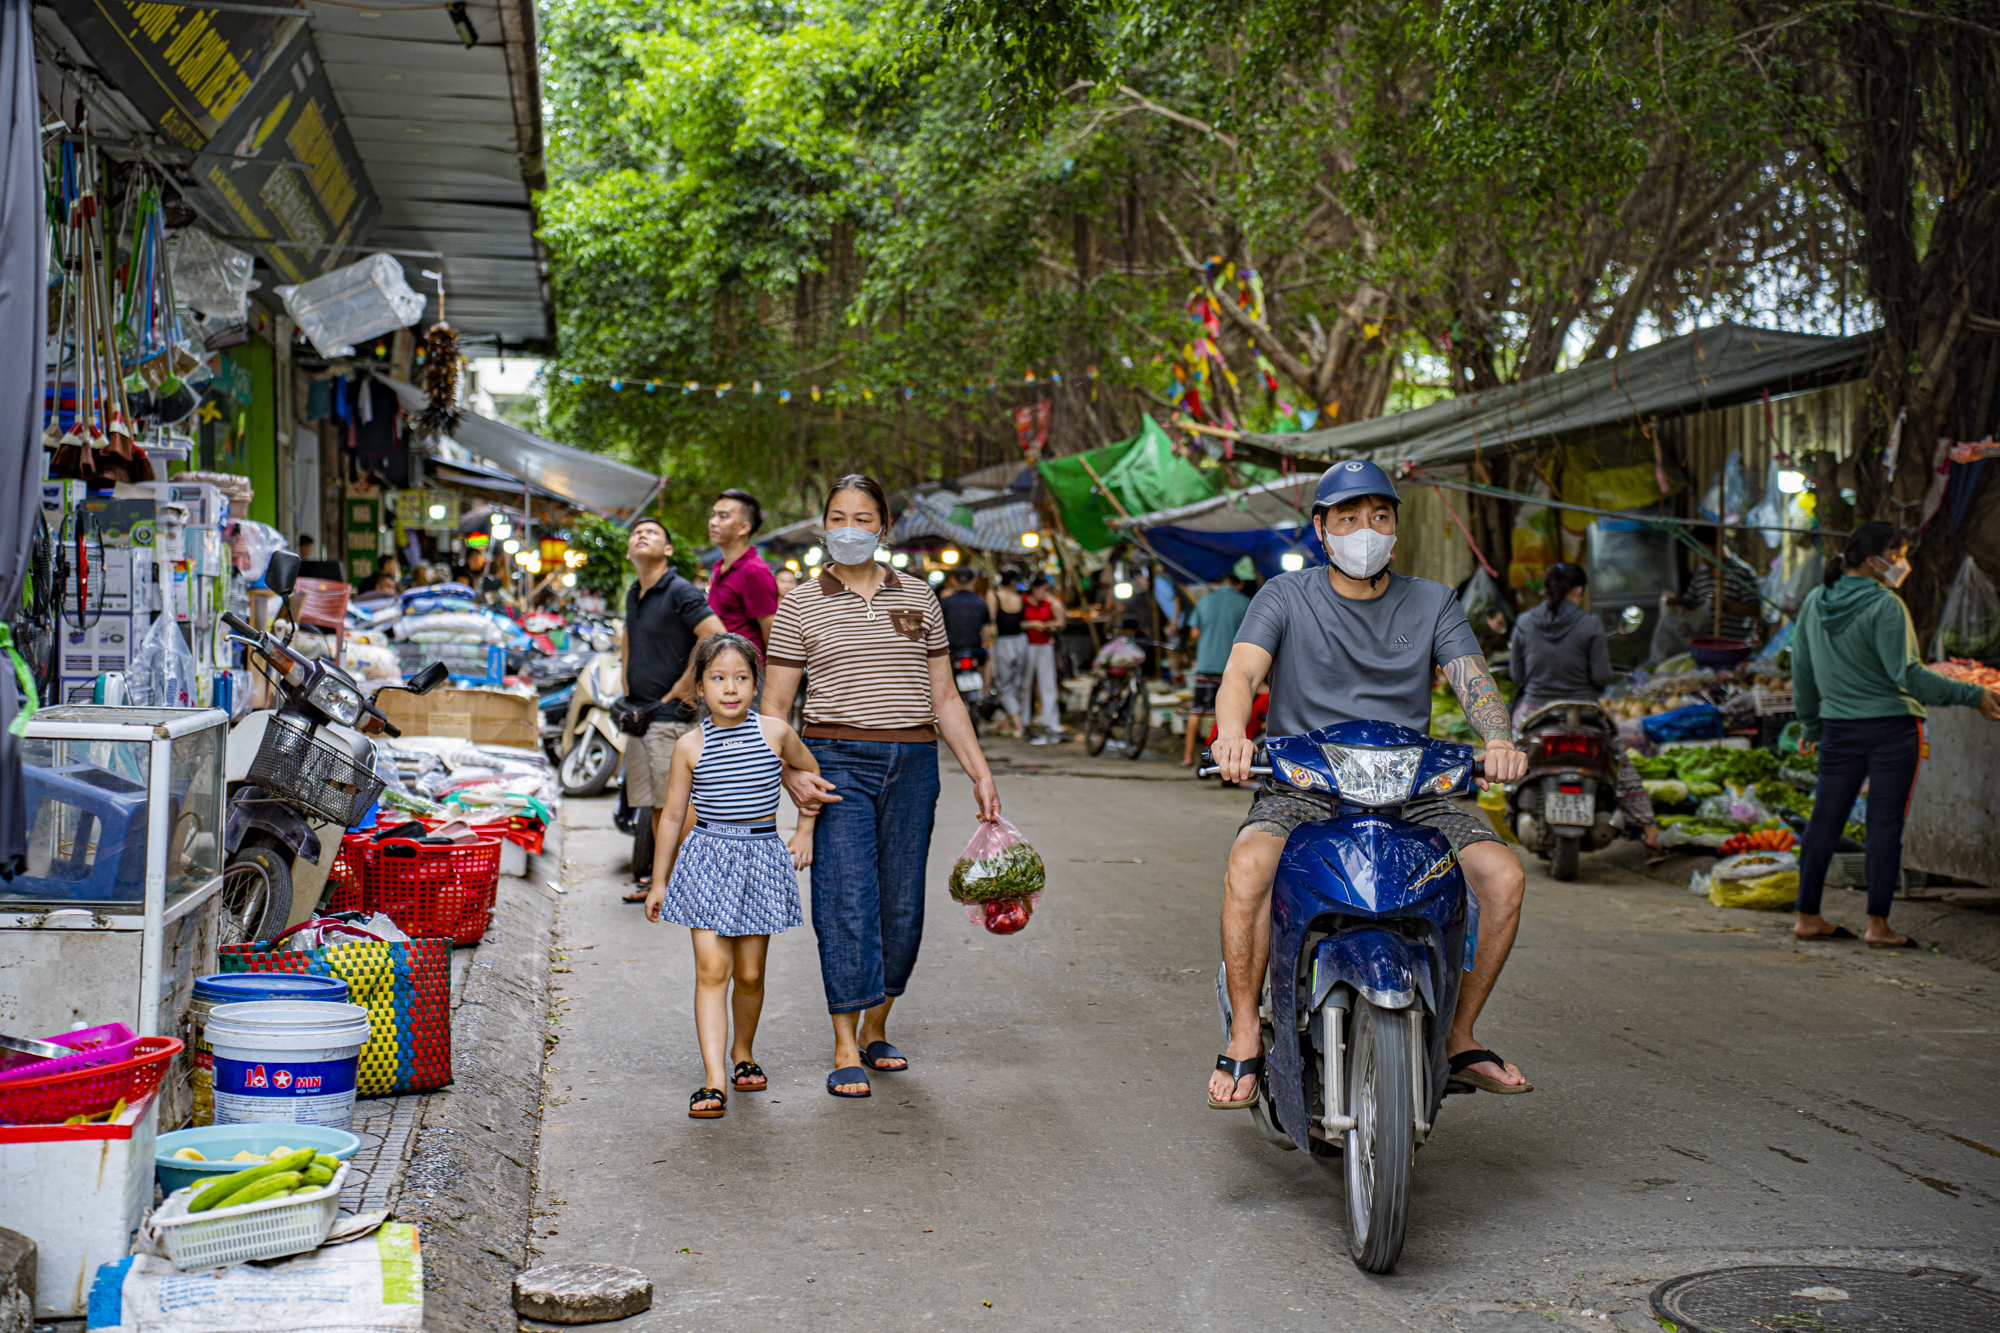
1479	697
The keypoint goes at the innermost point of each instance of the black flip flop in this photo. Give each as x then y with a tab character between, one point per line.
840	1076
1237	1071
716	1095
1463	1062
1909	942
876	1051
748	1069
1837	933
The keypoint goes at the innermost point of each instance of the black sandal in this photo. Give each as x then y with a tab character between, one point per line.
1464	1060
747	1069
1238	1070
716	1095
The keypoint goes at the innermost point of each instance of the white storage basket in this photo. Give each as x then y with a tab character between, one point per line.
267	1229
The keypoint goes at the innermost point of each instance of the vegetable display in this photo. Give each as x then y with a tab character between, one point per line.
294	1173
1763	840
1971	672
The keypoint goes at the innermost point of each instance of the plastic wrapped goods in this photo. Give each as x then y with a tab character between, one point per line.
364	300
1970	624
998	878
211	277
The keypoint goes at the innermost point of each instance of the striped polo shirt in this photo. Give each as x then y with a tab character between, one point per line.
867	663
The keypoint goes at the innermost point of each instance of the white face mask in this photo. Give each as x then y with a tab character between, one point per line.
852	546
1894	573
1361	554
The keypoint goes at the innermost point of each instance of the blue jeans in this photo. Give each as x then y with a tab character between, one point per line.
1881	751
869	851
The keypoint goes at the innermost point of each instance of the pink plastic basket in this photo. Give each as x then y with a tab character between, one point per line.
104	1045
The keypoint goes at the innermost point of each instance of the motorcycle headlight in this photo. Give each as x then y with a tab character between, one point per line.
336	698
1373	777
1296	775
1446	780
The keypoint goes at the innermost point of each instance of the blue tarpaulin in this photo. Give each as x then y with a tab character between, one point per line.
1207	556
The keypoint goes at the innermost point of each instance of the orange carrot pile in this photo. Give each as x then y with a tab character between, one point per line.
1763	840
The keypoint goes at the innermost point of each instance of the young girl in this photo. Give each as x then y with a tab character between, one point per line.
727	876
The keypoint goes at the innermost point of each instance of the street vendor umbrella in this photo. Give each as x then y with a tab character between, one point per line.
24	266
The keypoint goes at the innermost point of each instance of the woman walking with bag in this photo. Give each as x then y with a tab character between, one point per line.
1861	690
874	643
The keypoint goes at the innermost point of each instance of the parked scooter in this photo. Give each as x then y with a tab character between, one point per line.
592	747
299	776
1371	924
1566	803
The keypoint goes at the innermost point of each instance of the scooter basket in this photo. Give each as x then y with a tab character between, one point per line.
296	766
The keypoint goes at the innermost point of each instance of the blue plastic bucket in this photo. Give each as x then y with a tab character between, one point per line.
286	1061
241	988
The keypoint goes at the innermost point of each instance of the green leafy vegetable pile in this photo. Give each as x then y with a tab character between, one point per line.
1719	765
1784	796
1014	873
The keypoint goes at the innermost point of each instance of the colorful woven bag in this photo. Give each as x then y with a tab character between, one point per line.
404	985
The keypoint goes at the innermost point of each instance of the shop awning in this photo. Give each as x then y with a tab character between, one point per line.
589	481
1140	474
1286	502
1710	368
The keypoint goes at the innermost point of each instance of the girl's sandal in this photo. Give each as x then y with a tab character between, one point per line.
716	1095
746	1070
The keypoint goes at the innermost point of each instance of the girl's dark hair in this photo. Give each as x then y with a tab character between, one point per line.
714	646
1561	580
1863	544
858	481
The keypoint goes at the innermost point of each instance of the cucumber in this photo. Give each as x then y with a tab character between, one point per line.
329	1162
268	1188
317	1175
229	1188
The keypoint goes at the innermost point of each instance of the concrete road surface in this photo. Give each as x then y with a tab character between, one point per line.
1707	1093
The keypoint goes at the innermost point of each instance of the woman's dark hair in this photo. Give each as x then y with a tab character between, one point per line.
714	646
1561	580
1864	544
858	481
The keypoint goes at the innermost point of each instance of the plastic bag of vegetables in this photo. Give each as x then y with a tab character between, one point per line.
998	878
1775	892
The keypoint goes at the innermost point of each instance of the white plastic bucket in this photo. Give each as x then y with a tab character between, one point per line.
286	1061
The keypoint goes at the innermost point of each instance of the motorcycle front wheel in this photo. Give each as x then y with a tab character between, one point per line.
588	767
256	893
1380	1146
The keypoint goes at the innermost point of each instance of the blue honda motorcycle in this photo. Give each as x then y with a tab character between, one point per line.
1371	924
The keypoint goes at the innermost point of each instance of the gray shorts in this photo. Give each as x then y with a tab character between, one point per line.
1279	810
649	763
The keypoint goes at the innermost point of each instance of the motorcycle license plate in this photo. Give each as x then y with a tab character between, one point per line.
1568	808
969	680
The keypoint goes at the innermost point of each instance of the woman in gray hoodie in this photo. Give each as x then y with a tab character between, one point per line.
1559	652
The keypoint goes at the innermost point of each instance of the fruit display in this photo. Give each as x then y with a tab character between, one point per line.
1972	673
299	1172
1763	840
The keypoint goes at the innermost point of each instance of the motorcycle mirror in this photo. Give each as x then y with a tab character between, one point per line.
429	678
282	573
1630	619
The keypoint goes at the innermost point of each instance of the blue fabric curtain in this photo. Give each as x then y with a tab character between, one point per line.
1207	556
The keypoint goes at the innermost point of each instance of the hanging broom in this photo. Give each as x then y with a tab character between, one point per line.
441	413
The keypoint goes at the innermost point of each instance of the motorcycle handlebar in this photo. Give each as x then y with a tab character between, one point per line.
1256	771
240	625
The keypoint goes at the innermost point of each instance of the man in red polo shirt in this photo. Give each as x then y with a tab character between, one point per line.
741	588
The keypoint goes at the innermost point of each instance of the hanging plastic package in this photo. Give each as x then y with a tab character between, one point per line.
1802	580
251	545
1727	496
1970	625
163	667
366	299
211	277
1482	596
1768	515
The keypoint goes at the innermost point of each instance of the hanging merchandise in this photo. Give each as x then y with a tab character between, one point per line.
363	300
1483	596
211	277
441	411
1728	495
1970	625
97	444
1769	513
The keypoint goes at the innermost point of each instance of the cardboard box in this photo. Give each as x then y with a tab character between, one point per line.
207	506
111	643
486	717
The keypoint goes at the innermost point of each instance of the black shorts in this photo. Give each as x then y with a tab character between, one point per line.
1279	810
1205	687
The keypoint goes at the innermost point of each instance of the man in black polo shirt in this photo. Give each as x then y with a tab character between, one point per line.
665	617
968	625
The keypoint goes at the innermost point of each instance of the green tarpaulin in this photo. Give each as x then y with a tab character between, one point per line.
1144	473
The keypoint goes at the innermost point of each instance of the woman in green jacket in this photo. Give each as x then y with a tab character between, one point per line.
1861	691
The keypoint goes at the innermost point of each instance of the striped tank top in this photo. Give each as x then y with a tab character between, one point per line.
736	779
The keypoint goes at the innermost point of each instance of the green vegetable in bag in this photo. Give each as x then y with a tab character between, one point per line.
997	864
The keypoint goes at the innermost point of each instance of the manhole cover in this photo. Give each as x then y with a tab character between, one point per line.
1825	1300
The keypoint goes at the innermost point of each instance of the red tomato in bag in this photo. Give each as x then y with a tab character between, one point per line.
1007	916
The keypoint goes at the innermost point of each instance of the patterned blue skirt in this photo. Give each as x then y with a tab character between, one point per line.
733	883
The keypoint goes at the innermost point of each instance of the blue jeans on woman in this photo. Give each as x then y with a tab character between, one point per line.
1882	751
869	852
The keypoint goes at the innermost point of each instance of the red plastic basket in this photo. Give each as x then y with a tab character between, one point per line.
103	1045
427	890
54	1098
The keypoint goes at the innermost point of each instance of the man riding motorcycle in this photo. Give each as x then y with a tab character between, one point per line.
1356	642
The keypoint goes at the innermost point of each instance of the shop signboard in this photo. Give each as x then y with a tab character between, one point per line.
248	95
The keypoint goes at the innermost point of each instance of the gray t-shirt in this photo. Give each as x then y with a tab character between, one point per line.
1335	659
